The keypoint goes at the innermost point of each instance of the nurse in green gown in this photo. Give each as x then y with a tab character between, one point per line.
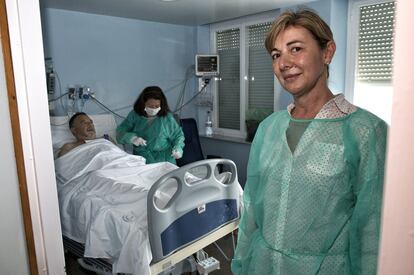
152	129
312	201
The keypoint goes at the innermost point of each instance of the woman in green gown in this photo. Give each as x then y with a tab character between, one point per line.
151	128
312	201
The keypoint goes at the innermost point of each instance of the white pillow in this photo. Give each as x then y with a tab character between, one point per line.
104	125
61	134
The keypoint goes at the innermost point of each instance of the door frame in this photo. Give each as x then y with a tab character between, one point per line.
26	85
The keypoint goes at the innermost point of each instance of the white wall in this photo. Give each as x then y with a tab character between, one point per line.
13	259
118	57
397	239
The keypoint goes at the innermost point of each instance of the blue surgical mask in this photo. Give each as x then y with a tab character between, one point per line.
152	111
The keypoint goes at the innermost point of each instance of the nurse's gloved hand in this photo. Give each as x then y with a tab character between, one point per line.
176	154
137	141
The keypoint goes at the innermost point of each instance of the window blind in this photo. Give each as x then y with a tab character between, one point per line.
228	48
375	51
260	73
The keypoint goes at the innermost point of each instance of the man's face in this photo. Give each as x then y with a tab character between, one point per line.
83	128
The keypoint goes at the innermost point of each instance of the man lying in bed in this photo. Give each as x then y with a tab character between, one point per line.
102	194
82	128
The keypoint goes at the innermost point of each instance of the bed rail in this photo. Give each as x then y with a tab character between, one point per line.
195	209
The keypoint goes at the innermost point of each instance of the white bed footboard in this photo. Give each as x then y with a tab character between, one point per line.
197	208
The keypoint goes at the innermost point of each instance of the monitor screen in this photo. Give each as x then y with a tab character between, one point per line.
207	65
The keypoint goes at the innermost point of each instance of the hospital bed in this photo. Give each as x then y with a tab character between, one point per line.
142	219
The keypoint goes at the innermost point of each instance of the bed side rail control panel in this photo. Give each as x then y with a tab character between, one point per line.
192	205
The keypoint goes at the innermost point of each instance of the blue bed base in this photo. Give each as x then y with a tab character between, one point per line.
180	232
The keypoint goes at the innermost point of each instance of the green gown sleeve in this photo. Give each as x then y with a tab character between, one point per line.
177	136
124	131
370	149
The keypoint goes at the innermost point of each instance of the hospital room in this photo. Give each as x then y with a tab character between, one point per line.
228	195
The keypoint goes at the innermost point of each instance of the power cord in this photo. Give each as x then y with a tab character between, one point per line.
59	97
188	75
105	107
206	81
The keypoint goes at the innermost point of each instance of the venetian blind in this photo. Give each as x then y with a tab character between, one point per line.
260	71
375	51
228	48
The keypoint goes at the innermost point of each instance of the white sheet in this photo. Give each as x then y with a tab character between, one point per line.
103	203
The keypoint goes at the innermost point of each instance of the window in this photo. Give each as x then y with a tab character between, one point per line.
228	85
371	38
260	76
246	80
376	25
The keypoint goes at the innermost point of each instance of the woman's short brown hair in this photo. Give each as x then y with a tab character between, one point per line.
151	92
304	18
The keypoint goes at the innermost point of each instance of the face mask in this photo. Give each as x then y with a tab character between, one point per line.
152	111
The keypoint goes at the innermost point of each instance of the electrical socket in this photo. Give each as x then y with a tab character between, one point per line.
80	92
71	93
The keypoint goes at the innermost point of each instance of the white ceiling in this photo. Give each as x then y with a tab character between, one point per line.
182	12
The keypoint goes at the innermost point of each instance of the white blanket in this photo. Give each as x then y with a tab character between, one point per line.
103	203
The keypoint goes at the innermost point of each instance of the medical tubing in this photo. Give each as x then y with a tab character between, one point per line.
72	106
106	108
233	242
181	97
122	108
59	97
191	99
222	252
60	89
182	92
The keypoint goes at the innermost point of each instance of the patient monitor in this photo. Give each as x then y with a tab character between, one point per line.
206	65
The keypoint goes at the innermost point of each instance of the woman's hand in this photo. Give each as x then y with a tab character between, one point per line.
138	141
176	154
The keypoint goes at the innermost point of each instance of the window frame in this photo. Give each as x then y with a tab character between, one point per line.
242	24
352	43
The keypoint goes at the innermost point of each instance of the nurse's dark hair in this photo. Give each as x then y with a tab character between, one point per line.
151	92
72	119
304	18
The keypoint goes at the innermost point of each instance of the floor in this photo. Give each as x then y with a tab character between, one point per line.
73	268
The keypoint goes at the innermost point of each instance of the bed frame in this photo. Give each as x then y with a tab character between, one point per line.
207	202
167	263
180	255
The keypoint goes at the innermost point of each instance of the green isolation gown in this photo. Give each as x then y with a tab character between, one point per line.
162	133
316	210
